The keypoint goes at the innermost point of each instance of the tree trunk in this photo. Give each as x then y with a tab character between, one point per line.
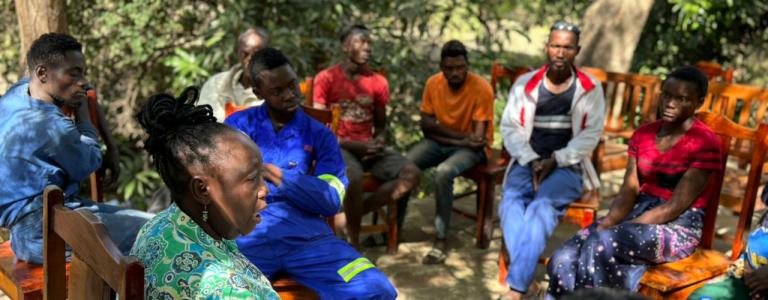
37	17
610	33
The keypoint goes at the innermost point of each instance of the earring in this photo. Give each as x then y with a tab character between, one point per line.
205	212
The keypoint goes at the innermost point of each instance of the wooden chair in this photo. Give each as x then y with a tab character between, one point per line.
306	87
746	106
21	280
715	71
631	100
328	117
97	267
18	279
370	183
289	289
677	280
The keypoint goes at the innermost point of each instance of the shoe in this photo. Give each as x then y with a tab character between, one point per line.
434	257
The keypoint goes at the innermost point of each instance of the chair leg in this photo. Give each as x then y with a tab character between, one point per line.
485	191
490	194
587	216
503	262
392	228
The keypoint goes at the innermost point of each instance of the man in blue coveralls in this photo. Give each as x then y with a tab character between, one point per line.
293	237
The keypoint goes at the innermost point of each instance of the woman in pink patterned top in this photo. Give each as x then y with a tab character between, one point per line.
659	212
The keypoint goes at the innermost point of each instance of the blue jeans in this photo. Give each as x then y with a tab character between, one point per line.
528	218
122	226
451	161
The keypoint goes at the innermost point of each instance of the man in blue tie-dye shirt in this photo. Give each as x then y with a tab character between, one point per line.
41	146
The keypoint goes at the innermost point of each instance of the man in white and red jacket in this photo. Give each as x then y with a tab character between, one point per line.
551	124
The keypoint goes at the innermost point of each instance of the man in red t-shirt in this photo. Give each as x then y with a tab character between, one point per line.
363	96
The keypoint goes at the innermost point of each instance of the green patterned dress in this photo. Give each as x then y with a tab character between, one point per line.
181	261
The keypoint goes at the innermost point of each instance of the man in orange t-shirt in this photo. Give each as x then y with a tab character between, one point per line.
457	121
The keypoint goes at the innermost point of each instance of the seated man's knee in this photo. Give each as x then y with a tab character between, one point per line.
384	290
370	284
445	172
355	176
543	210
411	174
380	288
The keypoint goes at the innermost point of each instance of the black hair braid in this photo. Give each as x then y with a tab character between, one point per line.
178	133
165	116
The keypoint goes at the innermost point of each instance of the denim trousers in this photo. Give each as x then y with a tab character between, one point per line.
122	225
451	161
528	217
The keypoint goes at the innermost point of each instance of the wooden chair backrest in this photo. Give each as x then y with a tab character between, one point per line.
500	73
328	117
728	131
97	189
715	71
631	99
97	267
306	88
743	104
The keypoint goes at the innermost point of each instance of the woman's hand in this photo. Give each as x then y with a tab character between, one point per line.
605	224
692	184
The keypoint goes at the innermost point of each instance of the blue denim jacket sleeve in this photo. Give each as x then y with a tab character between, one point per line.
322	192
73	147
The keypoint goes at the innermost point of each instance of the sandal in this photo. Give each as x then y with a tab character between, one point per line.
434	257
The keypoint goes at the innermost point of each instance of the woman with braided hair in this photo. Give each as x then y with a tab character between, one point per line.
214	174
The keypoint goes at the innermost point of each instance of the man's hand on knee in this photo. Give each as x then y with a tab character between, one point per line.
542	169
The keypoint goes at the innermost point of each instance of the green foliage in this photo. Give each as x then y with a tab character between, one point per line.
682	32
136	181
140	47
137	48
9	45
188	68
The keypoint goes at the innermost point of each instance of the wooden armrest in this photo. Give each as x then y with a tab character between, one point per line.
700	266
627	134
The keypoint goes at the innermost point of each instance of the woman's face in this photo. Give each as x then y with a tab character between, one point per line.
236	186
679	100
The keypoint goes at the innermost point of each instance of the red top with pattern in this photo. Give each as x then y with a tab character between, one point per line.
357	98
659	172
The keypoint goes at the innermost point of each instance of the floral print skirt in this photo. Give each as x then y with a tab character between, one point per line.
618	257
